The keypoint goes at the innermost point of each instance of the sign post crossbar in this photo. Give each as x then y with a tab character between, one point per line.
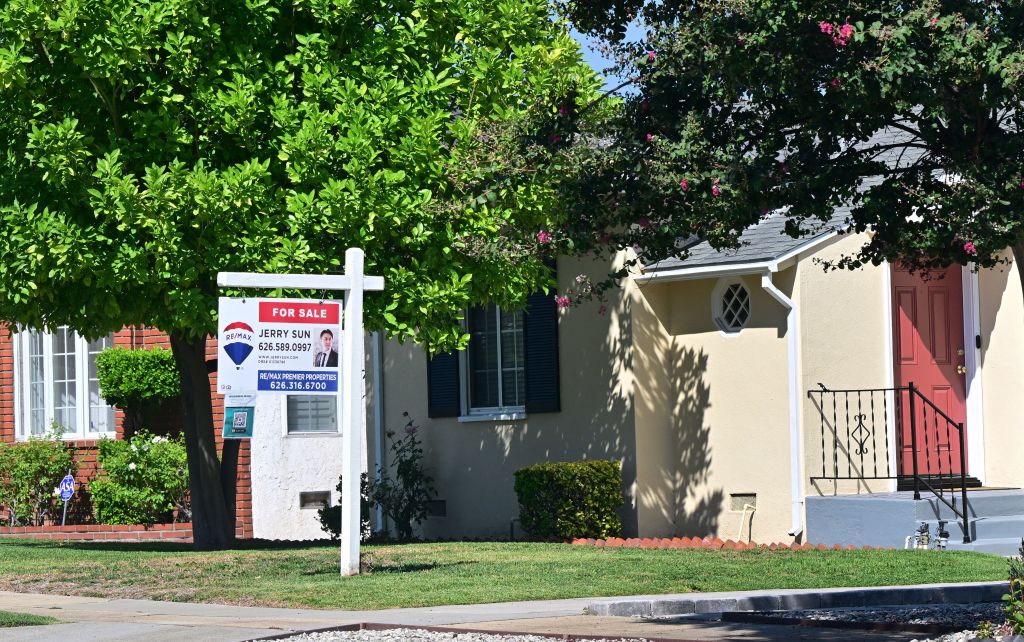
350	397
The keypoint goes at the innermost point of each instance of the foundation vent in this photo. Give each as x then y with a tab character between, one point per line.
738	500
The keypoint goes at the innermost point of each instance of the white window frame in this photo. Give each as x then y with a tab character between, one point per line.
22	380
286	423
495	413
718	310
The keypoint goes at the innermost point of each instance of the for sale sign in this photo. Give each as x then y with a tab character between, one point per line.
278	345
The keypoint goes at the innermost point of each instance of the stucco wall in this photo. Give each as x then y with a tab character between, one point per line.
844	345
285	465
1002	354
715	406
473	463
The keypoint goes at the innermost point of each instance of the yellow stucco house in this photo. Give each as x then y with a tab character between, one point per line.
697	379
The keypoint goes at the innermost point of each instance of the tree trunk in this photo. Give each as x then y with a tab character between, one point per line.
212	525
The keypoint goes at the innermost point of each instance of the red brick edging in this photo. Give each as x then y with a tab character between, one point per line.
102	532
707	542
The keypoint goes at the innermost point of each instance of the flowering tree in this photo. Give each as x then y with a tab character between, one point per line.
909	112
149	144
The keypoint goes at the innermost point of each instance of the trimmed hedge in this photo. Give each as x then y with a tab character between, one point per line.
570	499
131	377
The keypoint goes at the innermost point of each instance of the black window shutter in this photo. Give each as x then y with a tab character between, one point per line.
443	385
541	349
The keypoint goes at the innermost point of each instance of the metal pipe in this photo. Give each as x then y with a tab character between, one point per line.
963	487
913	440
795	446
378	413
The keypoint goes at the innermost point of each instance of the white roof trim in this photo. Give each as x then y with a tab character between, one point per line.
752	267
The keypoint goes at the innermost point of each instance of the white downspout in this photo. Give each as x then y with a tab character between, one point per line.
378	414
796	461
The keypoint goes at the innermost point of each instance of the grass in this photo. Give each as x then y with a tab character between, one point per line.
454	573
9	619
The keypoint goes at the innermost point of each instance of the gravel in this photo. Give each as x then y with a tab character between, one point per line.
955	616
420	635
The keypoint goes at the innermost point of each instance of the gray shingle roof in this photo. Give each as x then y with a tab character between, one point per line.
765	241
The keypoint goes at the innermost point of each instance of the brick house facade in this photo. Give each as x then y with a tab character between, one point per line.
168	421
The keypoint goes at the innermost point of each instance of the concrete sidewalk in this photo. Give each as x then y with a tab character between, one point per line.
89	619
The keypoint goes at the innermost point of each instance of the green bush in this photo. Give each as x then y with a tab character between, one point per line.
141	481
570	499
330	516
30	472
137	382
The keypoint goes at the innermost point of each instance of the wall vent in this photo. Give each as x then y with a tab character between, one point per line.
314	499
738	500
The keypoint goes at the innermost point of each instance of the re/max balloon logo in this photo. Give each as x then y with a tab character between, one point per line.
238	341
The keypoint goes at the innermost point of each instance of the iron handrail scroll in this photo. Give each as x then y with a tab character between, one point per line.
855	443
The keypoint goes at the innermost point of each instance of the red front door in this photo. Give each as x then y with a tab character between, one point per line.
929	352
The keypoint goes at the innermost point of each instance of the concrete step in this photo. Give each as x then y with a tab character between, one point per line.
998	527
985	503
1005	546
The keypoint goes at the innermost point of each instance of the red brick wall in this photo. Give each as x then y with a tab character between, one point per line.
170	420
135	532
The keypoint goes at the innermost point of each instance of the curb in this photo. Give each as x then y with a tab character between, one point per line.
715	543
800	599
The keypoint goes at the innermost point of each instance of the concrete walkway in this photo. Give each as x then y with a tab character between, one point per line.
88	619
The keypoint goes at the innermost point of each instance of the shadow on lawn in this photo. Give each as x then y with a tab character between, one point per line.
173	547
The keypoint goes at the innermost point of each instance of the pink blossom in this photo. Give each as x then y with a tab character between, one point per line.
826	27
563	110
1022	184
649	137
836	83
562	302
410	429
651	56
843	36
970	249
935	21
543	237
684	184
716	190
643	222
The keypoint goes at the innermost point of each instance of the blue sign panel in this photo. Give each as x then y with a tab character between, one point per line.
67	487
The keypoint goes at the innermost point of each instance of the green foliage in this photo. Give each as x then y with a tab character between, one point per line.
1013	607
142	480
129	378
736	109
30	472
401	490
330	516
566	500
1016	564
149	144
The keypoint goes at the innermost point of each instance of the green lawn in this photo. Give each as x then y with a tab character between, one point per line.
8	619
454	573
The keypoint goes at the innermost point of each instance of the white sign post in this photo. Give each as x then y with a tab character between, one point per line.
350	390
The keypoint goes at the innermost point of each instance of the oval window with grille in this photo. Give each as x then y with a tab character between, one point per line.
734	307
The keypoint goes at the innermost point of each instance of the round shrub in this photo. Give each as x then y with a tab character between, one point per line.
143	480
565	500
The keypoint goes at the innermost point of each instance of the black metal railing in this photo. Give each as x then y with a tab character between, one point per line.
926	449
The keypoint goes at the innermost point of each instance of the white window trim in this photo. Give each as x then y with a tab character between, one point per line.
22	373
306	434
495	413
716	305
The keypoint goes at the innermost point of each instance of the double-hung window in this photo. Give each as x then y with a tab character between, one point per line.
509	369
57	383
494	364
